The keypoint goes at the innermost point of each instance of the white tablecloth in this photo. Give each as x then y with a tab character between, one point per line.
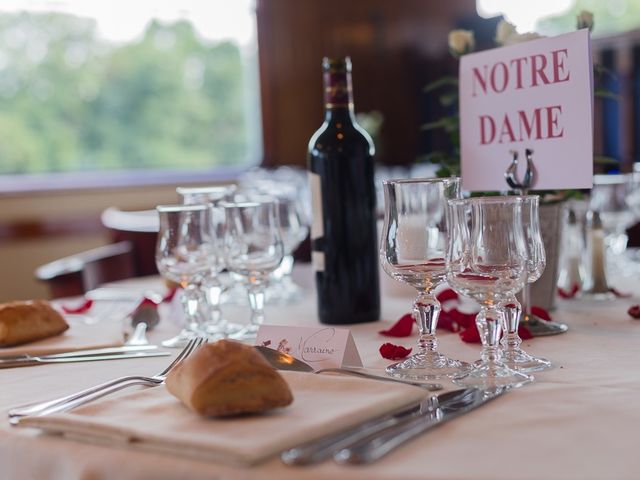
580	420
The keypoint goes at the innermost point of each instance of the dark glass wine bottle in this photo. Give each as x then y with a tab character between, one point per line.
344	248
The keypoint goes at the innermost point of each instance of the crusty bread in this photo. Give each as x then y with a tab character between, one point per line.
228	378
23	322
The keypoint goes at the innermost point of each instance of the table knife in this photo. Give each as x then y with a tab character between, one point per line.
27	362
378	444
325	447
82	353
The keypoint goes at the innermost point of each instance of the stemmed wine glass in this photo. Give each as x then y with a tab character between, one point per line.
294	230
486	260
212	285
253	249
412	250
183	254
513	356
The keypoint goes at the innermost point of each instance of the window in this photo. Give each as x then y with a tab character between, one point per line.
111	85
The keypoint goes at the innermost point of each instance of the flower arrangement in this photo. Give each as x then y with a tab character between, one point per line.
462	42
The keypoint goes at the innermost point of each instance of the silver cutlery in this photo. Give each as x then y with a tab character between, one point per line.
377	445
88	395
31	361
327	446
283	361
83	353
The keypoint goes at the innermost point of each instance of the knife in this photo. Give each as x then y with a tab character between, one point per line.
27	362
81	353
327	446
379	444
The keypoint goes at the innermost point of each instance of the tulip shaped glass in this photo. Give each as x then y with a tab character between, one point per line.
412	250
487	261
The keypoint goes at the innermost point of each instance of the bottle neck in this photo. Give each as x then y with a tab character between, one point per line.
338	96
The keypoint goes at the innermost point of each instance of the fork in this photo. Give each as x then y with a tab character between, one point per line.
90	394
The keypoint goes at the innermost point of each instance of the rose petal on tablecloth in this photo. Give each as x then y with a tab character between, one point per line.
394	352
402	328
82	308
634	311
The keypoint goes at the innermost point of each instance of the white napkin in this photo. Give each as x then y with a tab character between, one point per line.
153	420
79	336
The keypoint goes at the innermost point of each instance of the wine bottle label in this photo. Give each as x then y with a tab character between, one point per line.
317	225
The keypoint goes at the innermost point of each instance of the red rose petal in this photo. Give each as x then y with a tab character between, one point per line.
454	320
541	313
524	333
470	335
402	328
446	295
394	352
571	293
634	311
618	293
84	308
170	294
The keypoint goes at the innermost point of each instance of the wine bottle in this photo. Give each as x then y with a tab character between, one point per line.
344	249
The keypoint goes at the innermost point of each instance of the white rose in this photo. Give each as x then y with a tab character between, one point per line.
461	42
585	19
504	31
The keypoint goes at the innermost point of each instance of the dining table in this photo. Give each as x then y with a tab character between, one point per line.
578	420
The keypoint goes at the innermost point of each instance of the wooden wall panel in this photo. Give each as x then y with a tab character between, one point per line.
396	48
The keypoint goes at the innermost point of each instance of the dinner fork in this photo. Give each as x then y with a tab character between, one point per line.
90	394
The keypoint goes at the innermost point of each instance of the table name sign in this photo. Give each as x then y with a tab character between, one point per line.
538	95
322	347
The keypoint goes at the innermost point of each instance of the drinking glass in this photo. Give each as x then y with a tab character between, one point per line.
253	249
512	354
609	197
412	250
294	230
487	261
212	283
183	254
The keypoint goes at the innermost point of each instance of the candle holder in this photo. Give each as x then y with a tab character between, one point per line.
536	326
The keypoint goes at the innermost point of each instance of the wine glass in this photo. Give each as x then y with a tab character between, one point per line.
212	284
412	250
513	356
253	249
487	261
294	230
609	197
183	254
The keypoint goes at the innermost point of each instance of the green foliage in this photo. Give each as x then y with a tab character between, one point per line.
69	101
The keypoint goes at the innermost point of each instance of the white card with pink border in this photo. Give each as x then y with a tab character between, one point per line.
534	95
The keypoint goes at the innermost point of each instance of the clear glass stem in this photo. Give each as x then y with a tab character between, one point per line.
426	310
214	293
255	291
489	322
191	305
512	311
525	307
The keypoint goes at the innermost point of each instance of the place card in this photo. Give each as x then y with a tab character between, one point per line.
533	95
320	347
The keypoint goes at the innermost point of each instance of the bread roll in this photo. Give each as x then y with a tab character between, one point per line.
228	378
23	322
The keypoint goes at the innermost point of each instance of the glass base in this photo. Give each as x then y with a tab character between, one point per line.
180	340
493	375
428	366
248	332
521	361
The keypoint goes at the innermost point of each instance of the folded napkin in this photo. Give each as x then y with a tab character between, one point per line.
153	420
80	336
